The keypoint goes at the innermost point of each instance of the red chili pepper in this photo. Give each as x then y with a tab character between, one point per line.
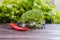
12	25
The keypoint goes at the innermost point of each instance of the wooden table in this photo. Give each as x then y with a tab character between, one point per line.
51	32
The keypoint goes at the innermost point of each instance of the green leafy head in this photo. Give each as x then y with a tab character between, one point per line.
32	15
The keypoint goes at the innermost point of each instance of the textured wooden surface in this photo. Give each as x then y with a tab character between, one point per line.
51	32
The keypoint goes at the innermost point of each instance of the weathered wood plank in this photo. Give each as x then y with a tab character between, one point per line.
52	26
51	32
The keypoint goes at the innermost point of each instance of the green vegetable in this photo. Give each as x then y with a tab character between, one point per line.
33	15
58	17
26	10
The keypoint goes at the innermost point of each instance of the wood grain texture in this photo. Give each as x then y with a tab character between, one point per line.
51	32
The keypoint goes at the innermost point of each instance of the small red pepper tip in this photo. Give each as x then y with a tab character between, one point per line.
12	25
